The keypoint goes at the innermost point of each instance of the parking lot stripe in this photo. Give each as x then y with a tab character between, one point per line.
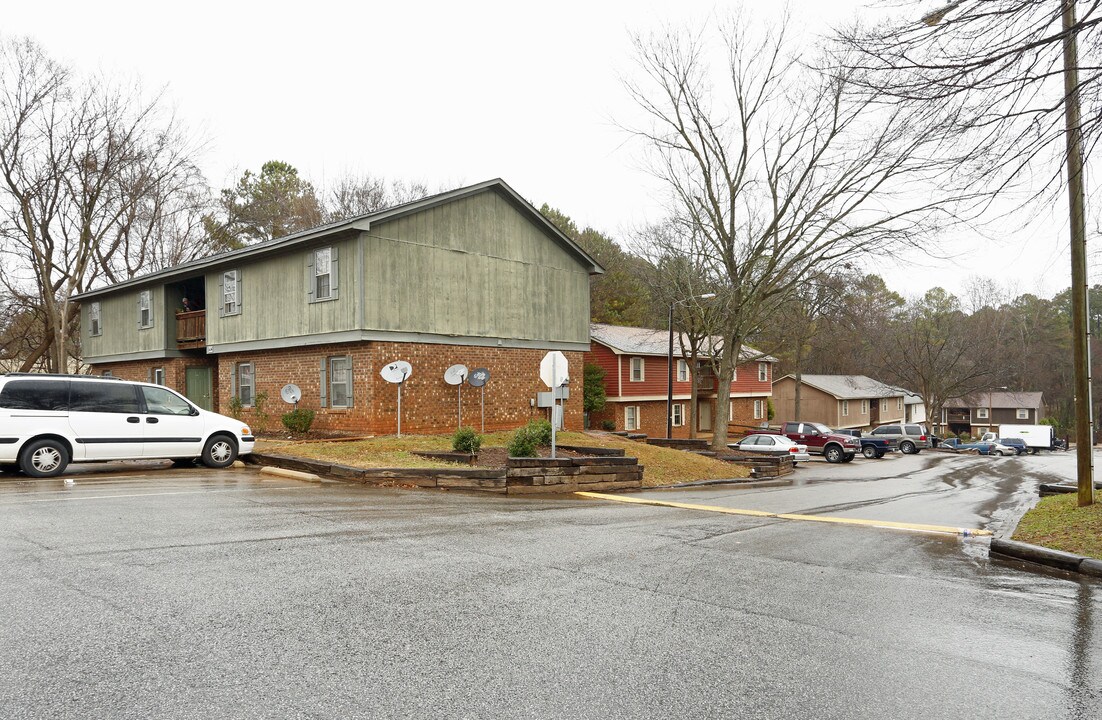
886	524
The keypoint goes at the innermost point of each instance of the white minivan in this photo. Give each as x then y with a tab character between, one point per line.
48	421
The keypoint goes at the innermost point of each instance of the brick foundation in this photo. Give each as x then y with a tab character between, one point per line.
429	405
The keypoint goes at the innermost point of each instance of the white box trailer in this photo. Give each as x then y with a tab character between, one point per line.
1036	437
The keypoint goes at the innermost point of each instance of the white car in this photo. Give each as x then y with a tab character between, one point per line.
773	445
1001	449
48	421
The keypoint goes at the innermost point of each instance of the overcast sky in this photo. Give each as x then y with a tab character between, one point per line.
452	94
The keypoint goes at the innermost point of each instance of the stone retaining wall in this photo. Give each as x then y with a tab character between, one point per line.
522	476
566	475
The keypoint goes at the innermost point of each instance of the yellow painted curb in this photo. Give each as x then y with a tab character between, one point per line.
293	474
886	524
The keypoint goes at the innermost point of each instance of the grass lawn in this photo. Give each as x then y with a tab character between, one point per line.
1059	523
662	465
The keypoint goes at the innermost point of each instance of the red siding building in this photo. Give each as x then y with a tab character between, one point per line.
636	368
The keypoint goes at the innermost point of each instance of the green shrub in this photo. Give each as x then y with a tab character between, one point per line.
298	420
523	443
608	425
466	440
236	407
540	430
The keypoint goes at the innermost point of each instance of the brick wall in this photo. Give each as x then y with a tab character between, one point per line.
429	405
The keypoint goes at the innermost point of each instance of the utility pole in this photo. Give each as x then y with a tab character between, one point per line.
1084	424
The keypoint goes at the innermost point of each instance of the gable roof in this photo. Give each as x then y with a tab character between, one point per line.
848	387
998	400
356	224
624	340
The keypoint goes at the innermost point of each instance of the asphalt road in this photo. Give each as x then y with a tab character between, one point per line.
200	594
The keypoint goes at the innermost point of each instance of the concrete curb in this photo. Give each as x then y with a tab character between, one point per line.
1047	556
293	474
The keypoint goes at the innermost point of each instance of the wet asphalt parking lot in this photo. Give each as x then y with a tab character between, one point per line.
198	594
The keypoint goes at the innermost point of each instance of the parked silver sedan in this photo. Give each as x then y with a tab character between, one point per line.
773	445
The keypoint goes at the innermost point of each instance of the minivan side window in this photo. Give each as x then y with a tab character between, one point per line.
112	397
35	395
159	401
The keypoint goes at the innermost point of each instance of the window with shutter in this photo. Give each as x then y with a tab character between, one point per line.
340	382
94	327
145	309
231	304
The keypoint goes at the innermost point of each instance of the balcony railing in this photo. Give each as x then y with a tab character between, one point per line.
191	329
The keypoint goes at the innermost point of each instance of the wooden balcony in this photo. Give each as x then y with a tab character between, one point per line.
957	416
191	329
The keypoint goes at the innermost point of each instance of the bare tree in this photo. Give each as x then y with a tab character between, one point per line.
85	169
783	173
354	195
936	348
989	73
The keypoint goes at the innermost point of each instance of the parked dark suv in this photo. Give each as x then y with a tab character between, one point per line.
909	438
821	440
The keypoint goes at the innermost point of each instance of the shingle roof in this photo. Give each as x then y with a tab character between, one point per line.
849	387
646	341
1000	400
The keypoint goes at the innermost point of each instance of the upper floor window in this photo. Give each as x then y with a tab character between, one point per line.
899	403
94	326
145	309
763	372
864	407
883	406
682	371
981	413
845	408
1023	414
231	292
321	270
637	369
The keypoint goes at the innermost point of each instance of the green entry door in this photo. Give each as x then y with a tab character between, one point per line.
198	387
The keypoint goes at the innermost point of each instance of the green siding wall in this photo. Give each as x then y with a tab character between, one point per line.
119	320
274	299
473	267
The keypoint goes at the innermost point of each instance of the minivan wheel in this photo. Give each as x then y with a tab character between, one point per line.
833	454
44	458
869	451
219	452
907	448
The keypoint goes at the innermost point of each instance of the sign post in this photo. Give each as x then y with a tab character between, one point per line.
553	372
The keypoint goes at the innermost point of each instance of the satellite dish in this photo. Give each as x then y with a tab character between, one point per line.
290	393
455	375
397	371
479	377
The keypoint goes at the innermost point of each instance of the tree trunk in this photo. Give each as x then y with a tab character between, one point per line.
723	390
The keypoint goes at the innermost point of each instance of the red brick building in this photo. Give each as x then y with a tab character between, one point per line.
475	276
635	361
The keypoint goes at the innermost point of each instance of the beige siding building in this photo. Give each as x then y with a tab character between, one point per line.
839	401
